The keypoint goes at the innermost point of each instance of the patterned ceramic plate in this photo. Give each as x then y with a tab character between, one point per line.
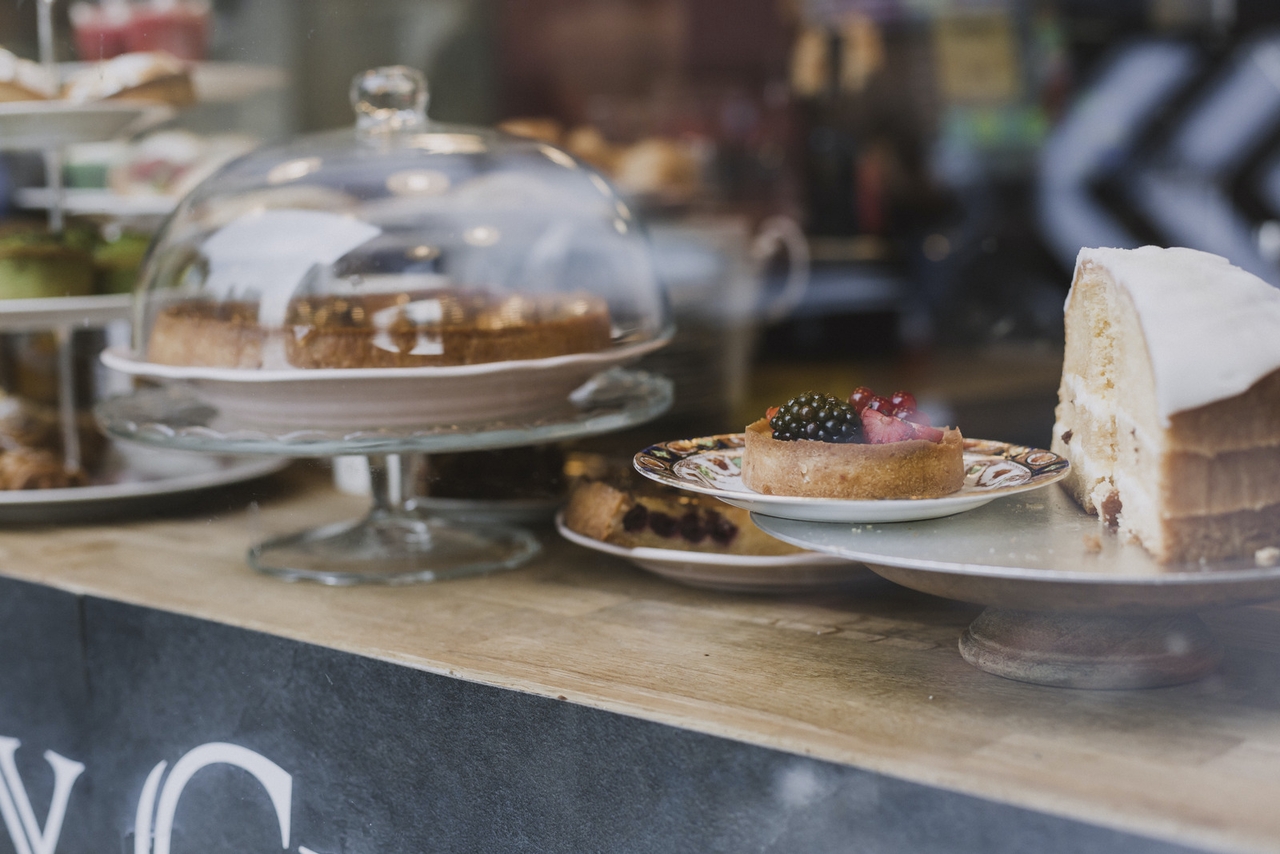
713	465
792	573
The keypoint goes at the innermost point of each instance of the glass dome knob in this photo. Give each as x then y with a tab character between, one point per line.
389	99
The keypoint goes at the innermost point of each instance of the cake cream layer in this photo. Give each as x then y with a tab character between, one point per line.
1193	484
1189	482
1205	537
1089	443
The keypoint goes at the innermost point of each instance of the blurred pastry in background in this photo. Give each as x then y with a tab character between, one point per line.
152	77
29	468
24	80
112	27
588	144
35	263
85	165
173	162
542	129
521	474
658	168
165	163
29	425
117	259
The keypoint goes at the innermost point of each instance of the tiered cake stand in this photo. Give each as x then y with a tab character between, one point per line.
50	127
1067	603
128	480
399	541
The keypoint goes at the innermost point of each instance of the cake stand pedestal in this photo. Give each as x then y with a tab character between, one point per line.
1090	650
399	541
1068	604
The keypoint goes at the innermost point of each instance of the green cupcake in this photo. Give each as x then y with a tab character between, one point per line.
36	264
118	262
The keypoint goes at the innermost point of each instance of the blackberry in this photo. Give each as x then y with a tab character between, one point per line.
721	529
819	417
636	519
663	525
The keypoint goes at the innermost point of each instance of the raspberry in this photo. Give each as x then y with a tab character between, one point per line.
903	401
860	398
879	404
818	417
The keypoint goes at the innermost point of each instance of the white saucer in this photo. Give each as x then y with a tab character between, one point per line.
36	125
96	202
712	465
134	480
356	398
793	573
18	315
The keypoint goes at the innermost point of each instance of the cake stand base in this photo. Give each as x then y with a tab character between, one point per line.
1088	650
397	543
393	550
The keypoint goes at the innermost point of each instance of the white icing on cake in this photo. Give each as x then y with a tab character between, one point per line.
1211	329
26	74
126	71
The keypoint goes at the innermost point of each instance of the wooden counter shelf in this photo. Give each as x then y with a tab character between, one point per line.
868	679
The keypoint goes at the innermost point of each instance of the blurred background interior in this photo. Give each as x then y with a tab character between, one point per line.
839	192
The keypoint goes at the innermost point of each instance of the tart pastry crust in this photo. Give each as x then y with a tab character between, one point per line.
915	468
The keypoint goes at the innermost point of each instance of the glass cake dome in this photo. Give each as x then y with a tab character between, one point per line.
399	243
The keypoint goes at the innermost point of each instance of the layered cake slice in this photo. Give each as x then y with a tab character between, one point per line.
1169	407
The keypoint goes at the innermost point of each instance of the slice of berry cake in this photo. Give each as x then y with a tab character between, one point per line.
634	514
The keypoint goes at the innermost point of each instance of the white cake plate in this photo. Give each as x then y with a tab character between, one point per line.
400	540
33	315
134	481
1068	604
50	125
84	201
347	399
712	465
802	572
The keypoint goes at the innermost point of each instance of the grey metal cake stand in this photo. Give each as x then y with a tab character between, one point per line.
1067	603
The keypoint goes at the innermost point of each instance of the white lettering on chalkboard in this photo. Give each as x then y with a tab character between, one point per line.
149	838
157	805
15	804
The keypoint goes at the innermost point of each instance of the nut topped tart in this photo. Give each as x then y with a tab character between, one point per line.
393	330
866	448
1169	406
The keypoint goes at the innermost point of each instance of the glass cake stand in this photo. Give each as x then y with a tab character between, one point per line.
399	541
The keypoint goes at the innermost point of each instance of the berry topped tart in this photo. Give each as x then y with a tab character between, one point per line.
865	448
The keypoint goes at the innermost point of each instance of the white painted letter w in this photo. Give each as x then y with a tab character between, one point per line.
15	805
